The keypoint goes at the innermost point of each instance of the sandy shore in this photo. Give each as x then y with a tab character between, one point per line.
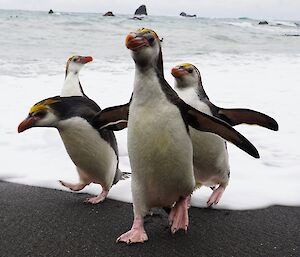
43	222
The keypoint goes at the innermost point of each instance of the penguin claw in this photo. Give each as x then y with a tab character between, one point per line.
93	200
178	218
137	235
97	199
216	196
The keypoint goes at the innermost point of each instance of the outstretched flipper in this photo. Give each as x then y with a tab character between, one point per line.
112	118
206	123
247	116
203	122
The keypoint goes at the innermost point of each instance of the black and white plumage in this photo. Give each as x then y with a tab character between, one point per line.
159	144
210	155
72	85
188	85
93	151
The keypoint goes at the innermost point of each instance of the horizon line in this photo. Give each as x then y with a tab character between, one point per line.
155	15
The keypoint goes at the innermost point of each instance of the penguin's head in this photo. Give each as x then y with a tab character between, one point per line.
42	114
145	47
186	75
75	63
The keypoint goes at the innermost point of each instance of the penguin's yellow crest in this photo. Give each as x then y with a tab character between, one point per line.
145	30
42	105
185	65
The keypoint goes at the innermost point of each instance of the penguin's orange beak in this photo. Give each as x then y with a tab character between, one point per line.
178	72
134	42
27	123
85	59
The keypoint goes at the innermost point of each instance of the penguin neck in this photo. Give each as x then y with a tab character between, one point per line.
155	64
146	83
188	93
184	86
201	92
72	86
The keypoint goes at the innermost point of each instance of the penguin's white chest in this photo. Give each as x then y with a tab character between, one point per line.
159	148
210	157
71	86
88	150
189	95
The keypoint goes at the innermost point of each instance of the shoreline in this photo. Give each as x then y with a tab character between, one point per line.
45	222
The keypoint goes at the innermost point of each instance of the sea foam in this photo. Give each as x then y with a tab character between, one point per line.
257	71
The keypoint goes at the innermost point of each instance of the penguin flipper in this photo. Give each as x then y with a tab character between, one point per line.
239	116
203	122
112	118
206	123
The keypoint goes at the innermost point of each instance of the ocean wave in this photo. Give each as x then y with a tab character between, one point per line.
283	23
240	24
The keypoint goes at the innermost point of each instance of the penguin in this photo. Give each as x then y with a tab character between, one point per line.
94	152
210	155
72	85
188	85
159	144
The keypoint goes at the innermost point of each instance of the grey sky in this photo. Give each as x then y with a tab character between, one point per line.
263	9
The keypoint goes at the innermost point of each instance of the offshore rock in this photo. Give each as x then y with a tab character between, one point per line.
109	14
263	23
141	10
183	14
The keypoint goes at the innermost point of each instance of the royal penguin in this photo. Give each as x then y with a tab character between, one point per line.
159	144
210	155
94	152
72	85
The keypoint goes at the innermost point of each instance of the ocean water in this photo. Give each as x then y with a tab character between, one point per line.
243	64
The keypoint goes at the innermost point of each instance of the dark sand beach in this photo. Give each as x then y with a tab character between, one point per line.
43	222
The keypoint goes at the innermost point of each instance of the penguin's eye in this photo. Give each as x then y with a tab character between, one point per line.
190	70
76	59
151	40
40	114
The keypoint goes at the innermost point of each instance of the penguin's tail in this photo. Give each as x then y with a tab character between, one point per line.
120	175
125	175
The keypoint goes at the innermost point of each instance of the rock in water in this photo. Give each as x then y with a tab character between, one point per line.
50	11
141	10
263	23
187	15
136	18
109	14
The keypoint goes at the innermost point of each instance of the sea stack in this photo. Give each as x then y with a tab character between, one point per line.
141	10
109	13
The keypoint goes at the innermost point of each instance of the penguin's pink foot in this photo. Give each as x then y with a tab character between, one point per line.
73	186
97	199
216	196
178	217
136	234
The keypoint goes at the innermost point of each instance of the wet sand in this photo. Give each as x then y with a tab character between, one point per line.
44	222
